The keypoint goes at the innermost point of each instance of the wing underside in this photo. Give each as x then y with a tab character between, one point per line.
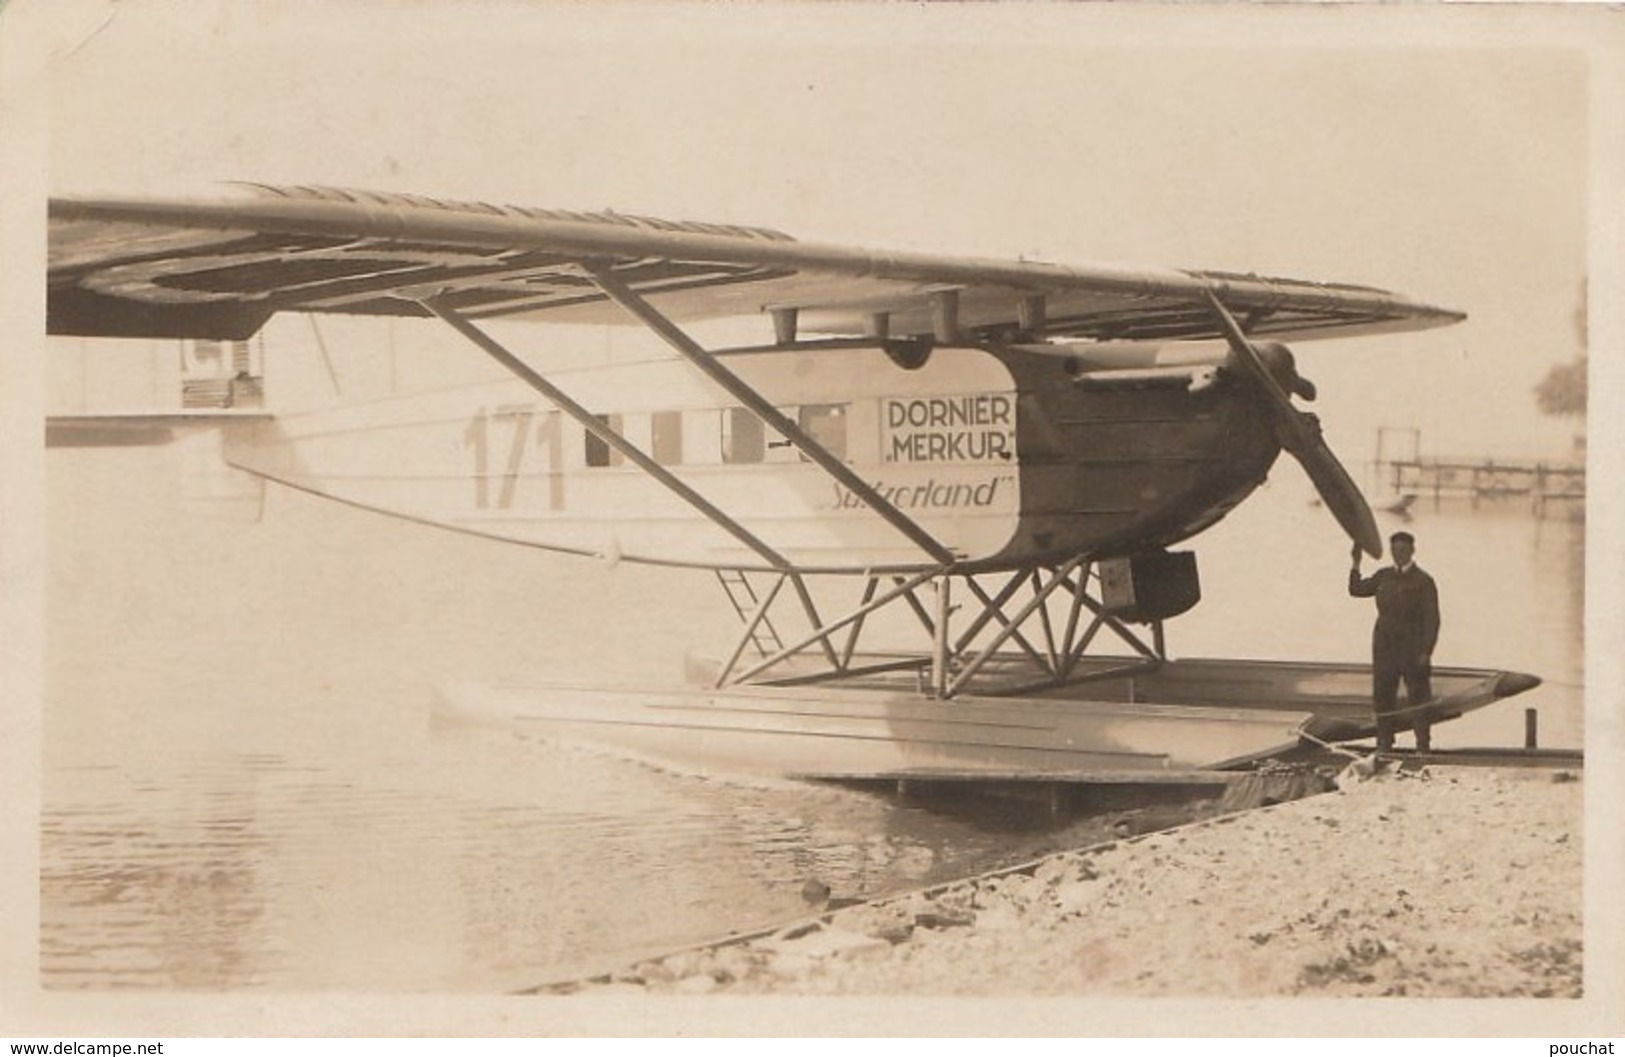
221	268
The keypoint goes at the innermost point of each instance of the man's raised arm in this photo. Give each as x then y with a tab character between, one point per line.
1359	586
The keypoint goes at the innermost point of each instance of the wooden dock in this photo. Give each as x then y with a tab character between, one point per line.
1401	470
1542	483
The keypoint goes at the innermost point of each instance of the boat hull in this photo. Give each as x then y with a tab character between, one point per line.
829	731
1121	721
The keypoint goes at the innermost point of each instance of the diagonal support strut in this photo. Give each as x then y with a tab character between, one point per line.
743	392
597	428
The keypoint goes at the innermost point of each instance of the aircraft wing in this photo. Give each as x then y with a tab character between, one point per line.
220	268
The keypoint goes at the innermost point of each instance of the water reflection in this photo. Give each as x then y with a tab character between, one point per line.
273	808
171	890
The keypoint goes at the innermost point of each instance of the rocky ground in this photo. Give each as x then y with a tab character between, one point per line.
1444	882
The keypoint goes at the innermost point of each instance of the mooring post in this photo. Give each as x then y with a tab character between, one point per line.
1530	728
939	643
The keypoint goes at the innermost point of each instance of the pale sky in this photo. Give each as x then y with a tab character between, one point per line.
1452	168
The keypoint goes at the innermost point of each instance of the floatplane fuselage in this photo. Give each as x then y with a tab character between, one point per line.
1010	457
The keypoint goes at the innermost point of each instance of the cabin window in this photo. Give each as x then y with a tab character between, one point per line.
744	438
826	424
599	453
666	437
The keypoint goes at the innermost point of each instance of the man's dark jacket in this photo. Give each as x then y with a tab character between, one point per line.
1407	613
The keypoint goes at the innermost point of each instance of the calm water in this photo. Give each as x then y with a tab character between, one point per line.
244	786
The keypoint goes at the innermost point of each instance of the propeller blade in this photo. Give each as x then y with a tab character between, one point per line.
1341	495
1300	435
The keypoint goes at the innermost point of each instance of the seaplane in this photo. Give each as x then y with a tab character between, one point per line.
1002	456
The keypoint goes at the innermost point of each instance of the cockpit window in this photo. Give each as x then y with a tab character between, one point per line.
825	423
744	438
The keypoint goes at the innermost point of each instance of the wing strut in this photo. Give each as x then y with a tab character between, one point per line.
741	391
592	424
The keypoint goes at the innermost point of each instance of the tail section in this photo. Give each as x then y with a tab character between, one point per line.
212	488
198	397
139	428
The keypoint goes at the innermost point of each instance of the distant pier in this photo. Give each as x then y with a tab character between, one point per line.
1542	481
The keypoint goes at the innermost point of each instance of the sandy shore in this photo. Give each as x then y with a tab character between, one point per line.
1446	882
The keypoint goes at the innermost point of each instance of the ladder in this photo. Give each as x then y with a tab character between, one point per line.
742	596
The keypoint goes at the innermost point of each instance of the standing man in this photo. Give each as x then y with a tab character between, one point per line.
1402	641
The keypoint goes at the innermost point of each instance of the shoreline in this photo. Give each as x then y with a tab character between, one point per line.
1446	882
